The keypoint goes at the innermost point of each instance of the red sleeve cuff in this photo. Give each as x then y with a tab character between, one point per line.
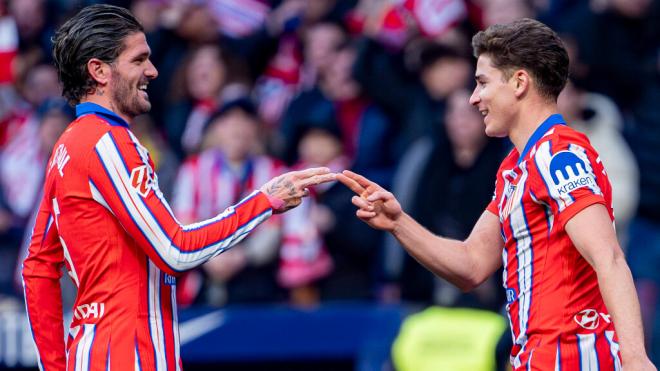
578	206
492	207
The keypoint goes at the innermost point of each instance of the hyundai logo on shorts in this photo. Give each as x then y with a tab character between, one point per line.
588	319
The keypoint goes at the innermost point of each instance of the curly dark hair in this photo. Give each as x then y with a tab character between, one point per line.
530	45
97	31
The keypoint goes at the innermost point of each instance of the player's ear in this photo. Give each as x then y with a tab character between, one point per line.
99	71
521	82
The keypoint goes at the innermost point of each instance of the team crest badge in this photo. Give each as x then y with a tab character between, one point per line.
511	193
141	180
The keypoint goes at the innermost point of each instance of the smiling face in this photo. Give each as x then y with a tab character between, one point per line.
495	98
130	75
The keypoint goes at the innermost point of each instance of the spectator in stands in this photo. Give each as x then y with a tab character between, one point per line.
22	153
441	181
20	144
340	99
367	137
202	78
415	92
320	40
304	257
619	41
229	165
22	164
40	84
505	11
296	66
33	29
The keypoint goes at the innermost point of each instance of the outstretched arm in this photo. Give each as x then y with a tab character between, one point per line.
600	248
466	264
121	179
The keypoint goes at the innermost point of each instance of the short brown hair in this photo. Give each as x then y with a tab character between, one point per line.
530	45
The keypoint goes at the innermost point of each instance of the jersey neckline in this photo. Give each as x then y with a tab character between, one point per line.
112	118
552	120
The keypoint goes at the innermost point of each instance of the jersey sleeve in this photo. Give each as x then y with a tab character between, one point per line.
569	177
122	179
42	270
492	205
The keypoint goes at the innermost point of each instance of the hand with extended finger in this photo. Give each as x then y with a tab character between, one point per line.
376	206
287	190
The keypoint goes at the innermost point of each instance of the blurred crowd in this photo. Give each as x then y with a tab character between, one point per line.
250	88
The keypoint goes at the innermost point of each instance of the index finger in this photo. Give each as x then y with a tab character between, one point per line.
351	184
359	179
317	179
307	173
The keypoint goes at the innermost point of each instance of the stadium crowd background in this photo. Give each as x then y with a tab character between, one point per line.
249	88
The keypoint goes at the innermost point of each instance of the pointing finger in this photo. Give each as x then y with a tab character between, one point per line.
317	179
307	173
364	182
351	184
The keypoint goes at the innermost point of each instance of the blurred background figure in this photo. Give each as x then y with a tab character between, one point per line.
228	168
304	257
202	77
368	140
22	166
440	179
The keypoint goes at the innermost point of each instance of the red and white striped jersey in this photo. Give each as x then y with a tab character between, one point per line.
558	318
104	217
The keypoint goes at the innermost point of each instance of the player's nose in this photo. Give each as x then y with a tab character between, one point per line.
474	98
151	72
